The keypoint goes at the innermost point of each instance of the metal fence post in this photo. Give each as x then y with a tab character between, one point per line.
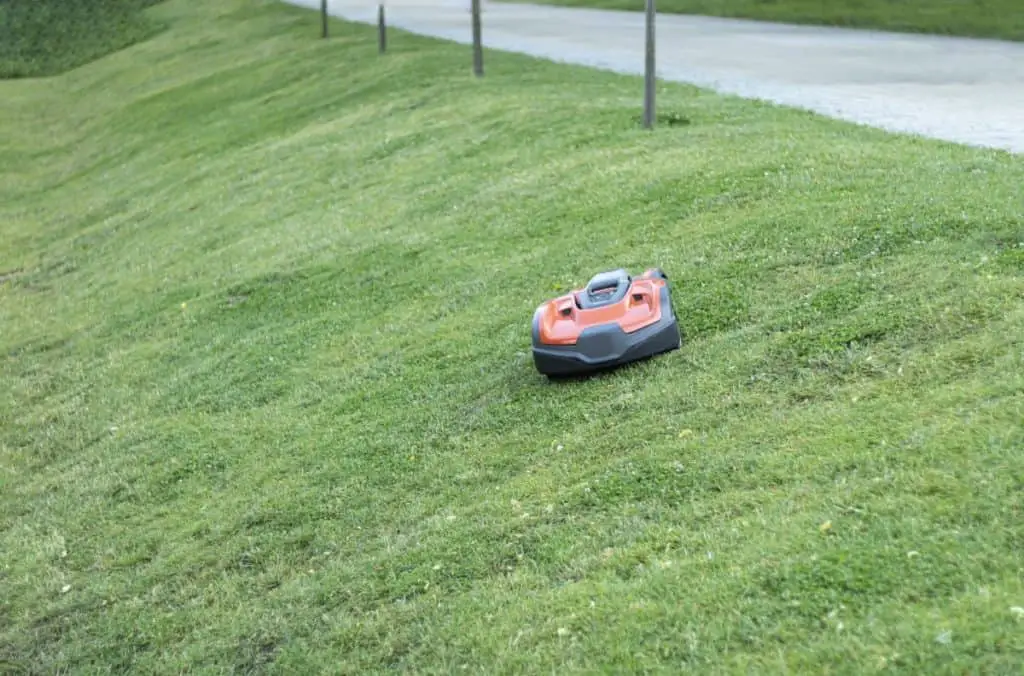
478	52
649	69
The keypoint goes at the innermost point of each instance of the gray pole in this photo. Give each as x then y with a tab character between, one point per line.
323	18
382	30
478	52
649	80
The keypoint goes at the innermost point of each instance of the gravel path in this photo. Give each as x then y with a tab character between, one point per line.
960	90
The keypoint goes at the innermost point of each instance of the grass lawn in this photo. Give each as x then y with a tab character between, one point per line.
1002	19
45	37
268	401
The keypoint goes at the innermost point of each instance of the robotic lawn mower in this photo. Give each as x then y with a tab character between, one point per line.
614	320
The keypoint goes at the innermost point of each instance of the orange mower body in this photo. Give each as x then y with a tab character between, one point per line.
614	320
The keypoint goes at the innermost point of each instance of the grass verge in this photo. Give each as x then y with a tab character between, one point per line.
1001	19
269	404
45	37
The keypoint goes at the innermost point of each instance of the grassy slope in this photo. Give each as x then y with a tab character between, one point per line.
45	37
268	397
1003	19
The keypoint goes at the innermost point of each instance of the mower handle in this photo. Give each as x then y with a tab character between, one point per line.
619	280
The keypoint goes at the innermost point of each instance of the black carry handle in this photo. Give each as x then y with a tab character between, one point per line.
618	280
608	280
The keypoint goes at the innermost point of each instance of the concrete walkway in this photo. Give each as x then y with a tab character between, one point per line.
960	90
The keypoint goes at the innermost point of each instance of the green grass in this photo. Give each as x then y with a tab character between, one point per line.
268	403
1002	19
41	38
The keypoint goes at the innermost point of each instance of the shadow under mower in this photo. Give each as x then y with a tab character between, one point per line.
616	319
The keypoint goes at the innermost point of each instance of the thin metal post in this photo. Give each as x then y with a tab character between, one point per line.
649	69
382	30
478	52
323	18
